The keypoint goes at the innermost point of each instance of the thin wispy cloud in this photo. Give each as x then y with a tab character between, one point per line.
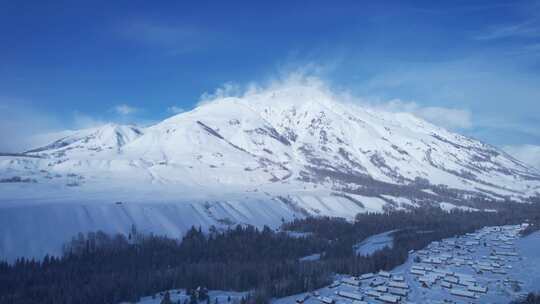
226	90
175	39
82	121
525	24
528	29
463	8
451	118
175	109
124	109
480	99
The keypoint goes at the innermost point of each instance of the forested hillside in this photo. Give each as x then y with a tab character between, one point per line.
100	268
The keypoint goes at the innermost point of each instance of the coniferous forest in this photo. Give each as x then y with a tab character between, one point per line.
102	268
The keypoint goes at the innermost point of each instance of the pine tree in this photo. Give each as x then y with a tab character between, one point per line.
193	299
166	299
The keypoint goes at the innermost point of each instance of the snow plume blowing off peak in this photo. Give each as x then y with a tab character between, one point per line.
296	89
258	155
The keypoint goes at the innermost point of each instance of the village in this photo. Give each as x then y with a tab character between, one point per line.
491	265
473	268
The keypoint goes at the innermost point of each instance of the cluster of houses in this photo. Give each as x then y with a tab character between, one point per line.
382	287
465	265
458	270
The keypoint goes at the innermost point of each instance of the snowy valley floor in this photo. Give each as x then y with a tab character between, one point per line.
375	243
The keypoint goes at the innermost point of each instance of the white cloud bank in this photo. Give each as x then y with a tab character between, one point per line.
529	154
20	123
451	118
23	126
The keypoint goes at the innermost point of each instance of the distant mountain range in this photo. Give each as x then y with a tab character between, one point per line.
263	158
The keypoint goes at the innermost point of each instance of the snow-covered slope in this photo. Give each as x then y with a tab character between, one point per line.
261	158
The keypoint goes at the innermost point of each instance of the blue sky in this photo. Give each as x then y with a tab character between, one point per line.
79	63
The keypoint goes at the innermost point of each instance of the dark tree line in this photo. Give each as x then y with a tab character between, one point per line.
531	298
416	229
100	268
533	221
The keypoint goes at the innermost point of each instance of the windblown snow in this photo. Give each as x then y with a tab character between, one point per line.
261	158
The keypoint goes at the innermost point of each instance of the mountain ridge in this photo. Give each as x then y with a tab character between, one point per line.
294	130
261	158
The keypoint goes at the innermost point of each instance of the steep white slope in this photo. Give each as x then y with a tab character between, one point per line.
261	158
86	143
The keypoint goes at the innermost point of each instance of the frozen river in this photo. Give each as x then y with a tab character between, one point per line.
375	243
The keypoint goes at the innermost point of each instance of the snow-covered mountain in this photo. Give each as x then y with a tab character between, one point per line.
267	156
